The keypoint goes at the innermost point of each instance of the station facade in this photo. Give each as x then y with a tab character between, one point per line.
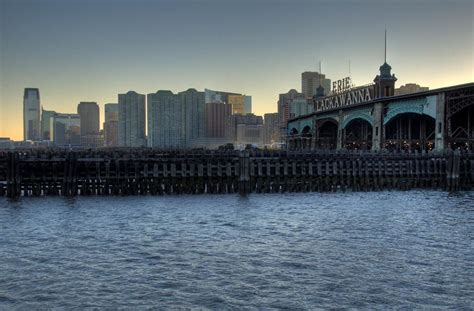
371	117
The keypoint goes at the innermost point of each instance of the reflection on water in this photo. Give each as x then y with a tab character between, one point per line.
388	249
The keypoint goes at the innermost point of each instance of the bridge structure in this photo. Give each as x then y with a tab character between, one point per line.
371	117
155	172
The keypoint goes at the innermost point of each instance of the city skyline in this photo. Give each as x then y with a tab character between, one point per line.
71	63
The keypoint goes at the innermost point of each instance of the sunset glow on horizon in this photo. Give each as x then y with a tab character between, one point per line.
84	50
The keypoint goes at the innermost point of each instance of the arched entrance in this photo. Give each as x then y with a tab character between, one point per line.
327	134
410	131
293	139
358	135
462	127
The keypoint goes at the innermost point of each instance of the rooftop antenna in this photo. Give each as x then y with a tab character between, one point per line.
349	68
385	52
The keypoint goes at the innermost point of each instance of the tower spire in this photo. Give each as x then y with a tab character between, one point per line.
349	68
385	50
320	67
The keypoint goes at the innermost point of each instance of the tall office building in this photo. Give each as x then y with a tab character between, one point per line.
216	116
89	112
238	103
165	120
111	112
211	96
31	114
66	129
90	124
193	105
297	107
131	118
111	125
46	116
283	108
311	80
247	104
271	130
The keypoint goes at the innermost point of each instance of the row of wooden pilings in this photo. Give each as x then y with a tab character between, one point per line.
129	172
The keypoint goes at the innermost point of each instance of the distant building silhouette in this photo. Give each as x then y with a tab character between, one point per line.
298	107
211	96
283	108
247	104
31	114
46	116
233	121
165	120
238	103
410	88
311	80
216	115
90	124
89	112
193	109
271	131
66	129
131	119
111	125
241	104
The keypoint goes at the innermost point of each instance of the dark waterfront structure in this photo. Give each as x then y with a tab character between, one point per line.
371	117
148	171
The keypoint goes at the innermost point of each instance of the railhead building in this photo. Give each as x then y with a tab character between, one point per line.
373	117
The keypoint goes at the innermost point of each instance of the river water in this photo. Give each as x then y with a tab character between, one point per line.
295	251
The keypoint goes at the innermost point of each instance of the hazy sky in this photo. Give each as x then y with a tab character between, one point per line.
83	50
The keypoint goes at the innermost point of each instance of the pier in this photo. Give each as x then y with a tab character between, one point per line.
152	172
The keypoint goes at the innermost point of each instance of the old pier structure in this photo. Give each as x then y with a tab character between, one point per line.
372	117
149	172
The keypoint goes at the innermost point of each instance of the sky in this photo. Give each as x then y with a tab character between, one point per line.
92	50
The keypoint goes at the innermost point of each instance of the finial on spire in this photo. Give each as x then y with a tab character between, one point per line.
320	67
385	54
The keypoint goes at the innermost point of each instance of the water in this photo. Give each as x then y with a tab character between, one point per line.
294	251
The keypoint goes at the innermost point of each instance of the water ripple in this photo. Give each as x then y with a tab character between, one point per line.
284	251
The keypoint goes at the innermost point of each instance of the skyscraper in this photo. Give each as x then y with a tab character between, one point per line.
165	120
311	80
90	124
216	116
283	108
270	128
212	96
111	125
89	112
238	103
131	119
247	104
46	116
193	105
111	112
31	114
